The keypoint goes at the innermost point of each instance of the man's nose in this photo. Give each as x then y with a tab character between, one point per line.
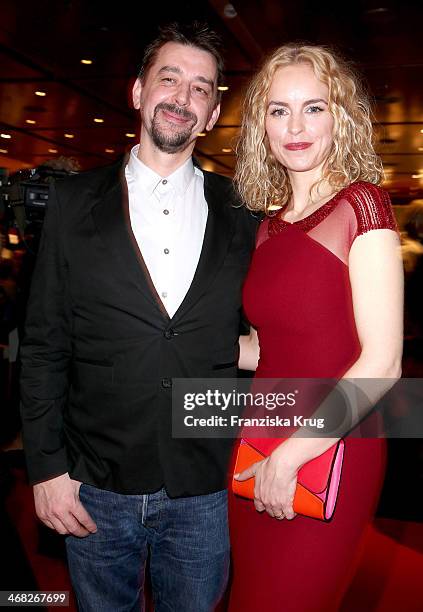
182	95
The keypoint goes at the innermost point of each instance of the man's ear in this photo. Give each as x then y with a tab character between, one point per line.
213	118
136	94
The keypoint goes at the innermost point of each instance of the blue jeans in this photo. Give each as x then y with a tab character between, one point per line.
187	539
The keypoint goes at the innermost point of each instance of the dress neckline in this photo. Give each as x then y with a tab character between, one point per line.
277	223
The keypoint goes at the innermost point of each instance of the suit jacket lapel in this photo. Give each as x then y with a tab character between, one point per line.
217	238
111	217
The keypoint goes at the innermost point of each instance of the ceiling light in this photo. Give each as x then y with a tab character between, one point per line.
31	121
98	120
3	150
87	62
109	150
13	237
130	135
69	135
417	176
40	93
226	150
223	88
201	134
420	149
52	150
421	131
229	11
379	9
208	166
5	136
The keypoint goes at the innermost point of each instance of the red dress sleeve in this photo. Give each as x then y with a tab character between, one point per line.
372	207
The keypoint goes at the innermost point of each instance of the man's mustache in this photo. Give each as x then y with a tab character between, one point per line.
176	110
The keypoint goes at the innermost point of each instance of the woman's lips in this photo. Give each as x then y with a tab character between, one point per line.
297	146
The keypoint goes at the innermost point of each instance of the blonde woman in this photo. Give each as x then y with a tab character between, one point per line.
324	297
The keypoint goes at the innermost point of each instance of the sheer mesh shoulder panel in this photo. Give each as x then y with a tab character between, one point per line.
262	232
362	207
337	231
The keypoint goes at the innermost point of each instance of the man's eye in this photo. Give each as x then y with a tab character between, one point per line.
201	91
168	79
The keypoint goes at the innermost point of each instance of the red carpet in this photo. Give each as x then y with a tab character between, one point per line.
389	577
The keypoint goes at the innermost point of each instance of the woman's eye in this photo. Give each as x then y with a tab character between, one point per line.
278	112
315	109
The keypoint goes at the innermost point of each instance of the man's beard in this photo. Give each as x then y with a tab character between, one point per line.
171	142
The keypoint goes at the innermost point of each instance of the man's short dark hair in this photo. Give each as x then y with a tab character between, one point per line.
195	34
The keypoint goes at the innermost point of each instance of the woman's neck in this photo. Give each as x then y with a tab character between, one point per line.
303	198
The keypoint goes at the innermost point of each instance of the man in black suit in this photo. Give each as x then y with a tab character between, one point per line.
138	281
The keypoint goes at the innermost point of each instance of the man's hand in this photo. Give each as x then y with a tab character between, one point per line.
57	505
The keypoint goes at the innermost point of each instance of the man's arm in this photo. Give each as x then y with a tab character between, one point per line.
45	359
45	353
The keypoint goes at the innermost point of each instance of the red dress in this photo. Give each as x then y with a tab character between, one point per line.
298	296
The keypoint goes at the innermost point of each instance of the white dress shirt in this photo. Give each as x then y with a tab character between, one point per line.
168	218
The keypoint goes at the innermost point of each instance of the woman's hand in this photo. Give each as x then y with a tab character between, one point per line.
275	484
249	351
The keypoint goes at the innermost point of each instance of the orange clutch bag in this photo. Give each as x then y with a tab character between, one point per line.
318	480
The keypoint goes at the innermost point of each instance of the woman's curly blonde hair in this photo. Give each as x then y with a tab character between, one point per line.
262	180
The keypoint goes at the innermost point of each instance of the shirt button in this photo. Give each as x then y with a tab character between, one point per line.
164	294
168	334
166	251
165	212
164	182
166	383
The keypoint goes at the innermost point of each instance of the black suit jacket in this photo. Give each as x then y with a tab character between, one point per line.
99	350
